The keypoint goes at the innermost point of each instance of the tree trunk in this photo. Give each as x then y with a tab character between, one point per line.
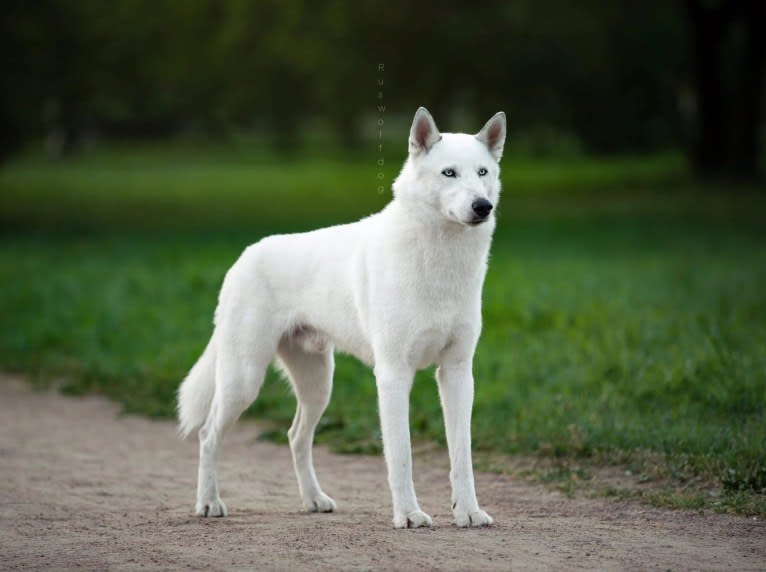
709	145
726	140
746	149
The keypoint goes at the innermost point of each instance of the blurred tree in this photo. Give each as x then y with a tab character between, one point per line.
604	76
729	109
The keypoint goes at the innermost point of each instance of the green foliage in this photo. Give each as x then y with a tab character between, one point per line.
219	66
641	327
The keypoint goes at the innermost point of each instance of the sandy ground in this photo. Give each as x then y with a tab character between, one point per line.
83	487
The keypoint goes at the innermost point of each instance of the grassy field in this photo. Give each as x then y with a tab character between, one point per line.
624	310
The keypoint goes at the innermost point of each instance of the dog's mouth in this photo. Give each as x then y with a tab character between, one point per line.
475	221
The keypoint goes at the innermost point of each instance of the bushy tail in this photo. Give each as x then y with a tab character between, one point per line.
196	392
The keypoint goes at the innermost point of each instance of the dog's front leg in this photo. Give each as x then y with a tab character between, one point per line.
394	401
456	391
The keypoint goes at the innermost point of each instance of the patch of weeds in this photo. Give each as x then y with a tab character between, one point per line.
745	477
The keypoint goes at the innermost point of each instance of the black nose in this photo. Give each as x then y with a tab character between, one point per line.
482	207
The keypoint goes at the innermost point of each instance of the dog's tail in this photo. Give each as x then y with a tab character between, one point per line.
196	392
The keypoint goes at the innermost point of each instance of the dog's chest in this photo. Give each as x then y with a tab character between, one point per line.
433	300
437	316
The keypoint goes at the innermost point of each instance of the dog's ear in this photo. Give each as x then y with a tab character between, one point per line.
493	135
423	133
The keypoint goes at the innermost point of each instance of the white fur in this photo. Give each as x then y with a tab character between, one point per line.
400	290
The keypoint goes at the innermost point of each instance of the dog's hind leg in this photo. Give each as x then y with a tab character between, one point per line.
237	384
311	376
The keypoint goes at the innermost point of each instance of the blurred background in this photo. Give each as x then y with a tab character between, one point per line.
144	144
599	77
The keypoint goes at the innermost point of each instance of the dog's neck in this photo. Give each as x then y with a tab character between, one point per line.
428	236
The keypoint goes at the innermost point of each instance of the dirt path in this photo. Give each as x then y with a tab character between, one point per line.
85	488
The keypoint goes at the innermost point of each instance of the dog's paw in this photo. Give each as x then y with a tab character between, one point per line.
211	508
473	518
414	519
320	503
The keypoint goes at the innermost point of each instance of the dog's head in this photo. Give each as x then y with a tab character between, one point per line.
454	175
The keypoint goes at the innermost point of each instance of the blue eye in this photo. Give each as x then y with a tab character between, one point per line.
482	172
449	173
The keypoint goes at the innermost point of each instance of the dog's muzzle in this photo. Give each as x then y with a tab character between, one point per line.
481	209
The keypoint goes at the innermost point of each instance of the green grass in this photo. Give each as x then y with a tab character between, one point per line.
624	310
160	187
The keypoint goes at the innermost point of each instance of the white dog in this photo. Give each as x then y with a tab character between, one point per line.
400	290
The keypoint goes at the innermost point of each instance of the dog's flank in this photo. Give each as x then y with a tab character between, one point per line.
400	290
